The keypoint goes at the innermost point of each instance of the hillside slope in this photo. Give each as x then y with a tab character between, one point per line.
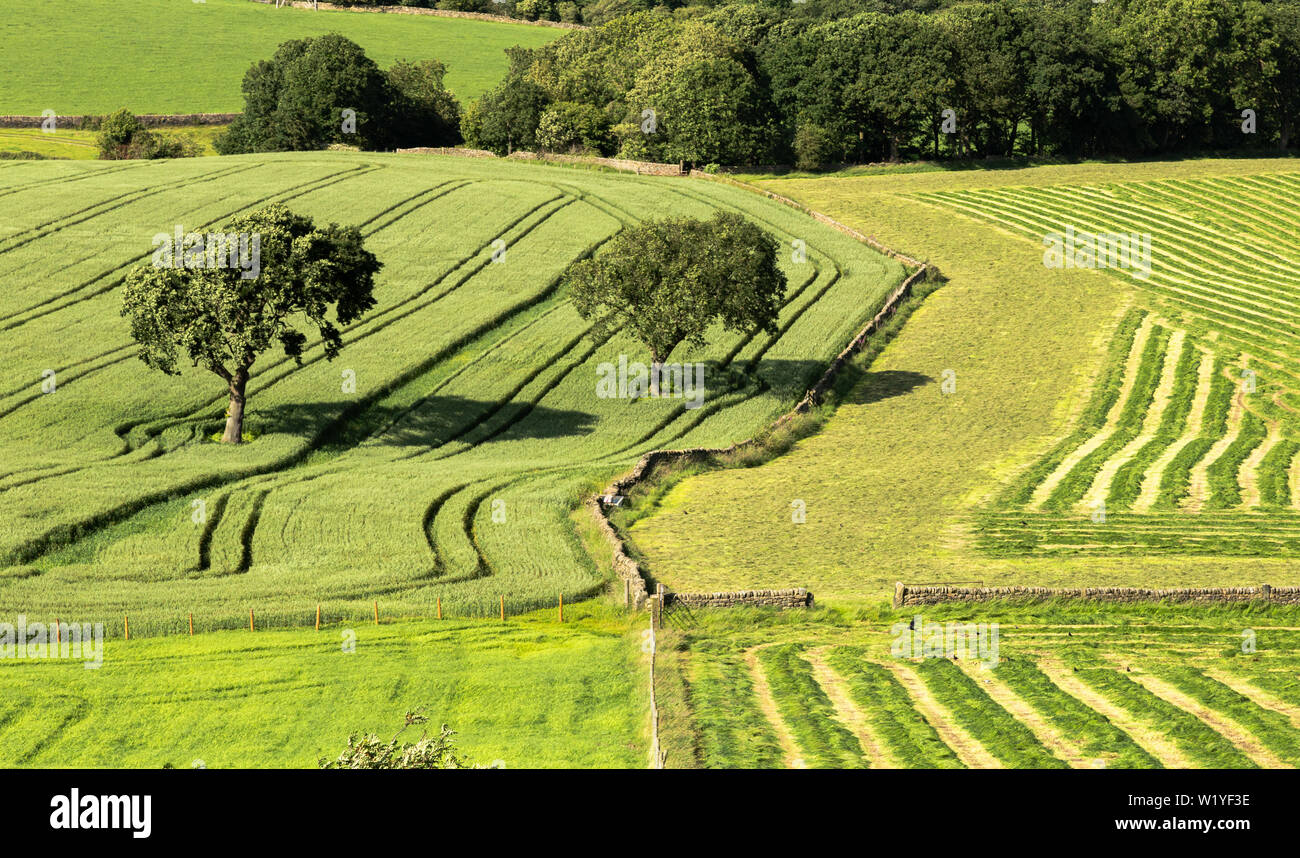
436	459
95	56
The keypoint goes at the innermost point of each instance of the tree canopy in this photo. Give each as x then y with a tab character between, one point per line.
320	91
667	281
833	81
198	302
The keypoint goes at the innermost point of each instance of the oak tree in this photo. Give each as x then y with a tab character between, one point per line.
667	281
200	300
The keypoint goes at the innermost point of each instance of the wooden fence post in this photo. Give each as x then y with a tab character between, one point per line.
561	607
58	633
318	616
376	612
440	607
503	609
250	620
191	624
126	621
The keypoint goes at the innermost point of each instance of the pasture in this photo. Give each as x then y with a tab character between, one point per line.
95	56
1071	686
531	693
1067	387
436	462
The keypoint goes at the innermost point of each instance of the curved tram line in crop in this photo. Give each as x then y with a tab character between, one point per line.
450	473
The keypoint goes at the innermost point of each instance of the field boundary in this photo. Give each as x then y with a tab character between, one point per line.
152	120
412	10
795	597
641	168
908	596
626	568
869	240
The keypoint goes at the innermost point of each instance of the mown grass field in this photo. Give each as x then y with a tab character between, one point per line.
444	476
1189	442
141	55
907	482
1073	686
531	693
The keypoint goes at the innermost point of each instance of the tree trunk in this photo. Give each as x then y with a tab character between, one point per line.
893	149
656	368
235	413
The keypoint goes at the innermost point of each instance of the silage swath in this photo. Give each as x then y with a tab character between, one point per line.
436	460
1191	441
1052	696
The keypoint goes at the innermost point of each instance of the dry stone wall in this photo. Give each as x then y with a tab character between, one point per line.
641	168
625	568
905	596
416	10
152	120
797	597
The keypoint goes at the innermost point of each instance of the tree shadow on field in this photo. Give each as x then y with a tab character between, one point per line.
426	423
874	386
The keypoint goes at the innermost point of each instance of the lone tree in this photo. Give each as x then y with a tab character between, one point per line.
200	298
666	281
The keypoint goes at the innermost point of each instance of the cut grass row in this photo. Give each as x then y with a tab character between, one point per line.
804	706
911	740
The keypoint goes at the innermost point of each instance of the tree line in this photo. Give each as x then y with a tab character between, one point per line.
760	84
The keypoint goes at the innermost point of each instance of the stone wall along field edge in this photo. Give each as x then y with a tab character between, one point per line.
910	596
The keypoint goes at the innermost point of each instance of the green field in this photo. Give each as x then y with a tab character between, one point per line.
142	54
530	693
78	145
1072	687
447	474
906	482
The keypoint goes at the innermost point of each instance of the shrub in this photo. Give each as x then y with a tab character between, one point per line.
123	137
813	147
570	13
116	133
371	752
296	100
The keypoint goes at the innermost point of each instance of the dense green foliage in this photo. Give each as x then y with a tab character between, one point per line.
747	83
370	752
668	281
316	92
207	306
